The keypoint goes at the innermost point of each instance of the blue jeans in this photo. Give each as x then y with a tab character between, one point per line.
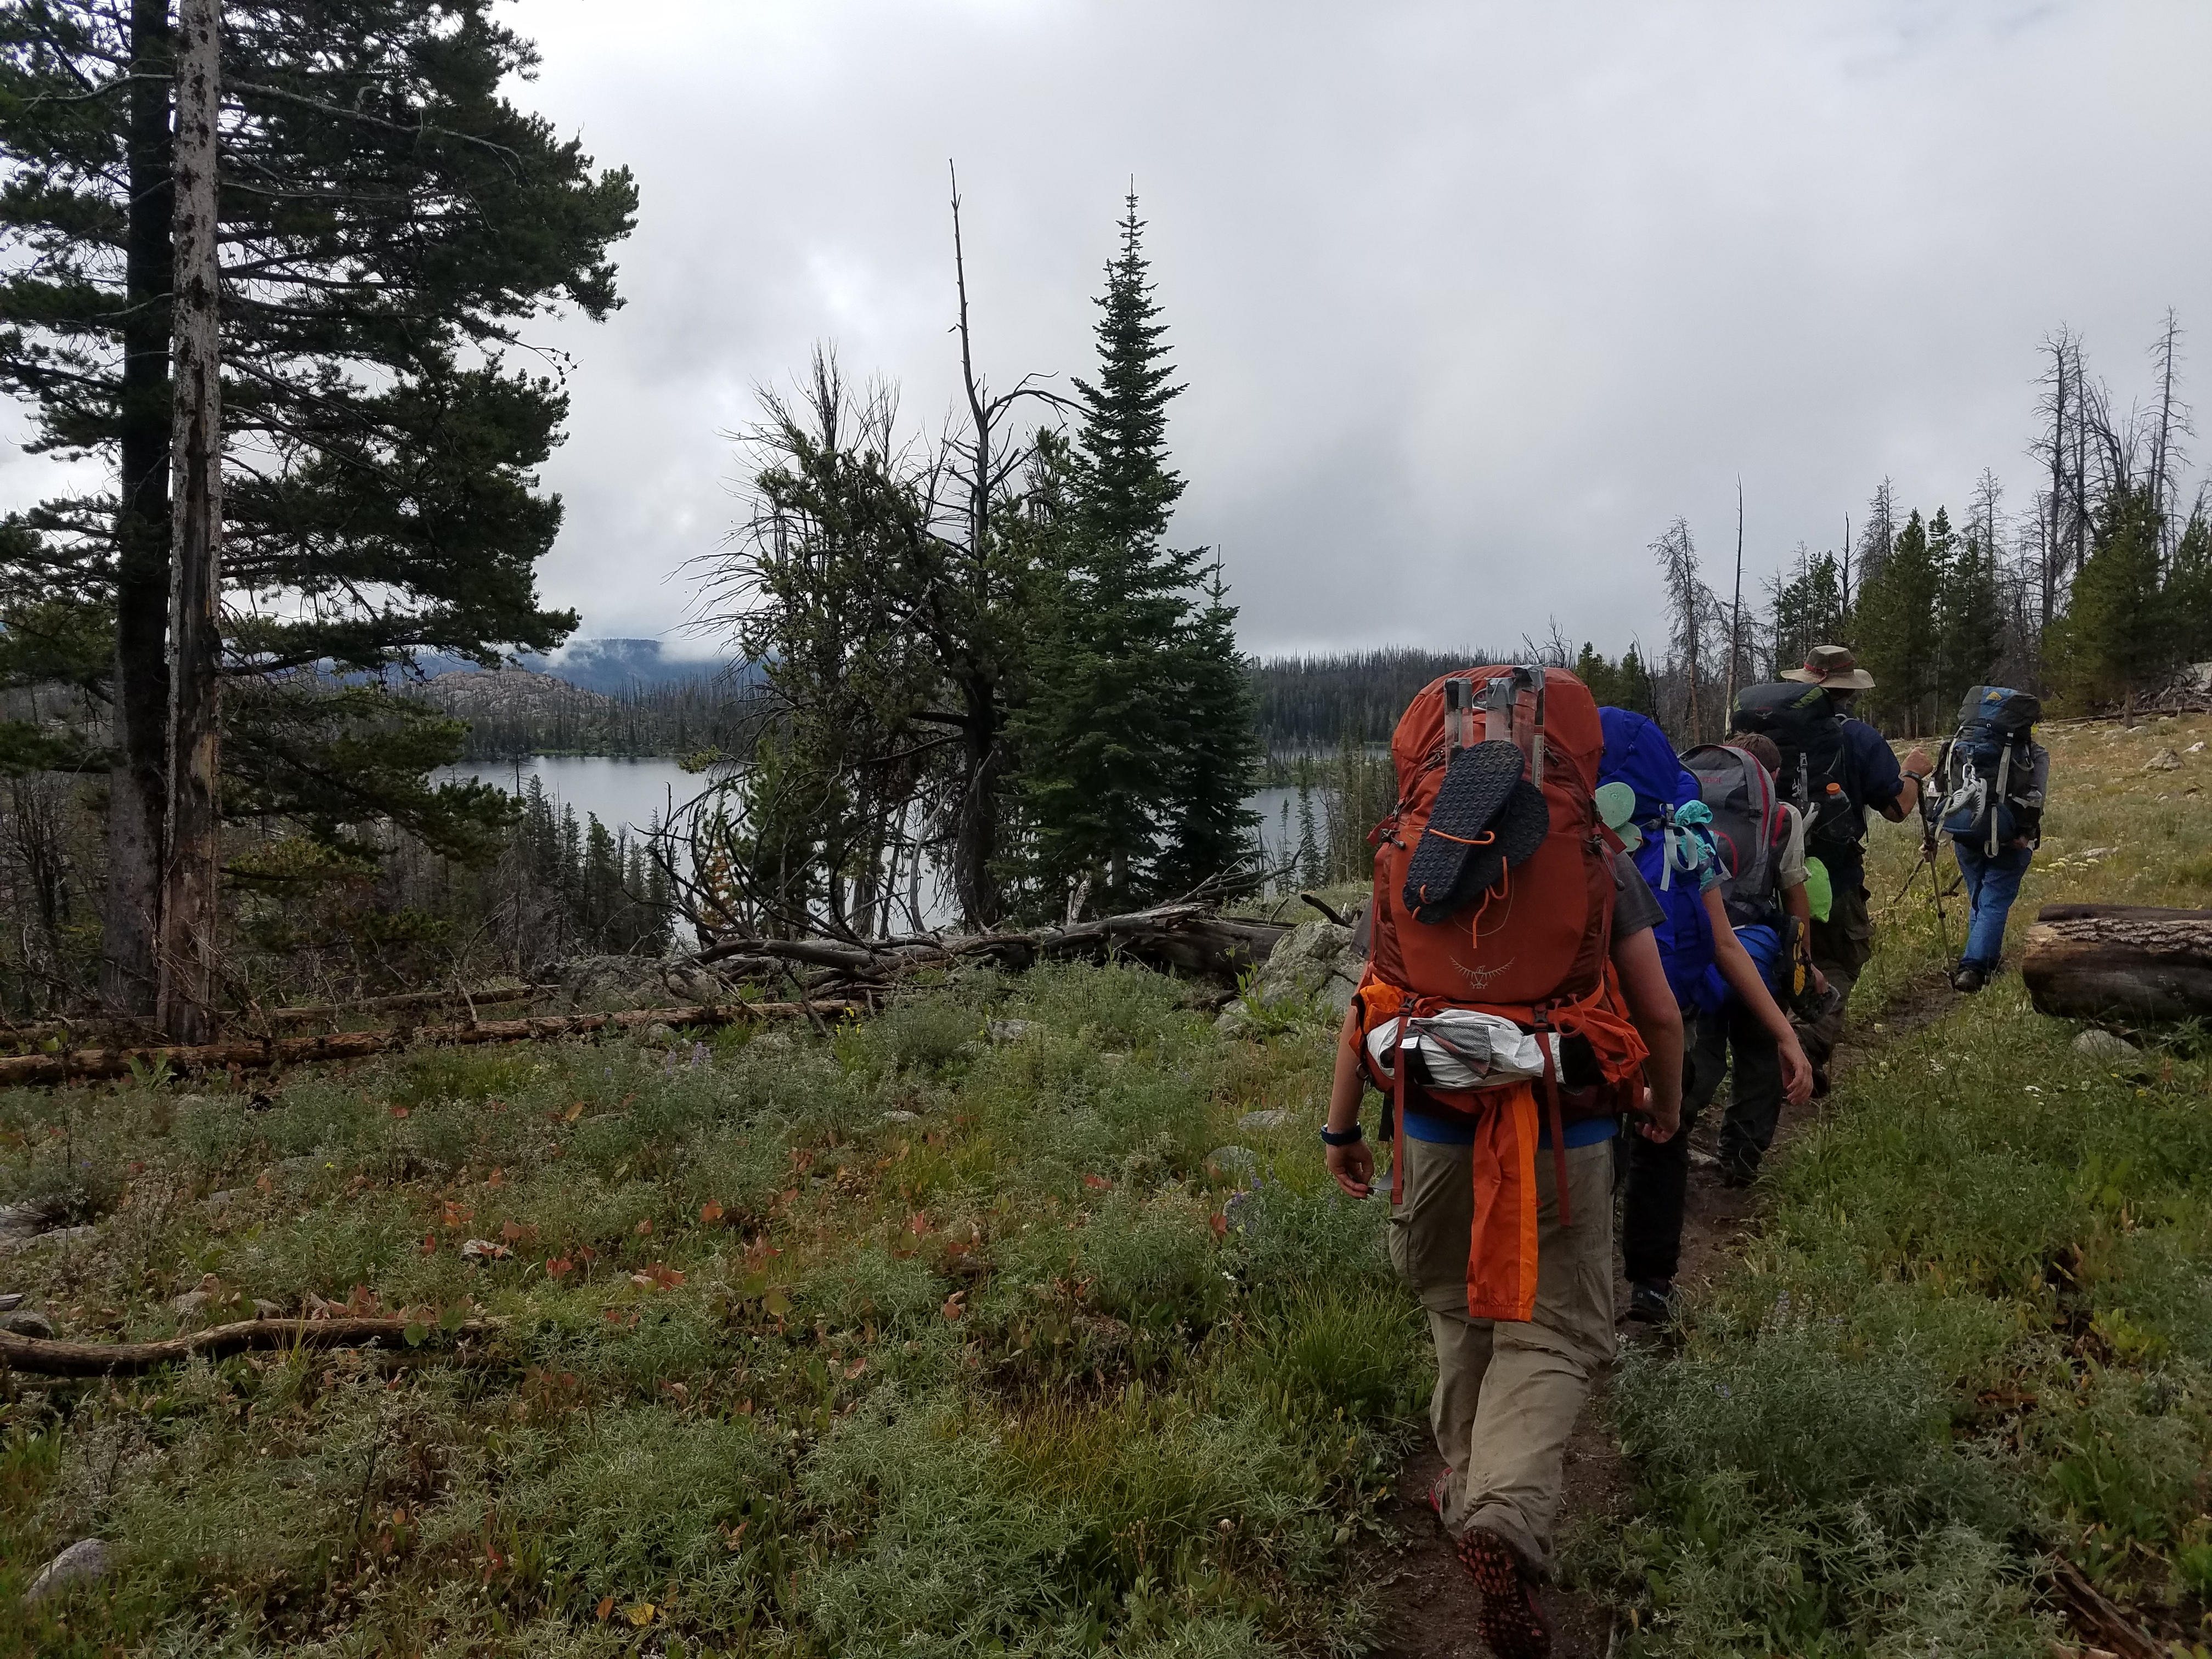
1992	883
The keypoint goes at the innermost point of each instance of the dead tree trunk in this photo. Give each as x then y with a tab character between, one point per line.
2122	962
137	799
187	970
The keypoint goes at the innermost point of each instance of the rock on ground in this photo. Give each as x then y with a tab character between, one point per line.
80	1564
1273	1117
1315	961
2103	1046
1240	1163
28	1322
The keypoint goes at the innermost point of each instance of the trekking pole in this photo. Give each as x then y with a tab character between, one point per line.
1931	849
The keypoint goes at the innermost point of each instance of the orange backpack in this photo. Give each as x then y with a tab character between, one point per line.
1536	947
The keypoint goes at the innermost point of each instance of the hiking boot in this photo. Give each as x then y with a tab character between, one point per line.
1437	1492
1651	1304
1736	1174
1968	977
1512	1620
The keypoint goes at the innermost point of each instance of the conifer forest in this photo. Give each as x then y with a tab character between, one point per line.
858	1193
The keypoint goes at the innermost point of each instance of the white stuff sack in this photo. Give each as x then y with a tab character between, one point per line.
1461	1048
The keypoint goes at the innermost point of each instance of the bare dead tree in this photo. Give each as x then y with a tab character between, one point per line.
2171	424
1736	607
1690	605
186	1002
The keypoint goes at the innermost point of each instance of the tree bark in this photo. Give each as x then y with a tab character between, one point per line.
2123	965
138	786
186	1007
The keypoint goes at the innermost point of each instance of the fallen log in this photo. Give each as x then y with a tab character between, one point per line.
45	1357
83	1064
2092	912
2121	966
497	997
1189	937
2099	1619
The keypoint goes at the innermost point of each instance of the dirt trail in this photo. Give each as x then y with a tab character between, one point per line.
1431	1599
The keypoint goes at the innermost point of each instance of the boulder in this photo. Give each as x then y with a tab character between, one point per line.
1239	1163
1314	962
81	1563
1011	1030
2164	761
2104	1048
28	1322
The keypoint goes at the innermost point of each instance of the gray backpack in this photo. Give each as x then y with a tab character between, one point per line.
1748	826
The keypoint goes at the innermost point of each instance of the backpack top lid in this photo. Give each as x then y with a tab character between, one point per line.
1638	754
1747	823
2001	709
1787	711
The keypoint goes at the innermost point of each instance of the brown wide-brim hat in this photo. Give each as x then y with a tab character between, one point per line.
1833	668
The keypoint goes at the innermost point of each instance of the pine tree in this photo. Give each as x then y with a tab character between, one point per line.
1310	864
1136	735
1209	829
387	223
1899	627
2113	640
1972	619
2186	596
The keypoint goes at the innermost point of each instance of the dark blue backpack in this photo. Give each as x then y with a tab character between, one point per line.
1988	768
1670	818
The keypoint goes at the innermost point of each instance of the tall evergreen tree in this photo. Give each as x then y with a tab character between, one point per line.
387	221
2113	640
1209	830
1973	618
1137	737
1898	626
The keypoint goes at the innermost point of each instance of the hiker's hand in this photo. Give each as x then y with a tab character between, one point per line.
1353	1166
1657	1121
1796	1072
1918	761
1819	982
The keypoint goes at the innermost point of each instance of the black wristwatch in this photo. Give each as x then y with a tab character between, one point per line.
1350	1137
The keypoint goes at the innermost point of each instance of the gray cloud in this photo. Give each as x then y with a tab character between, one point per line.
1470	299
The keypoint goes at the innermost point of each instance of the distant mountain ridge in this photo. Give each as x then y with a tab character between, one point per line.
610	667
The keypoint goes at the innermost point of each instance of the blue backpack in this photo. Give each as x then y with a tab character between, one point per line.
1672	852
1988	768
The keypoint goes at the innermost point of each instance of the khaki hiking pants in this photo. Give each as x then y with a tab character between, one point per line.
1508	1393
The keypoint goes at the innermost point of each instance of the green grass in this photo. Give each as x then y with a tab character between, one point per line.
962	1358
1975	1328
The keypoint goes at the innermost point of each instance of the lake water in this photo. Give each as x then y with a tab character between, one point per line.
624	792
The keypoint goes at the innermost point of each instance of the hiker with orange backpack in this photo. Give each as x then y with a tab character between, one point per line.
1514	1009
1658	805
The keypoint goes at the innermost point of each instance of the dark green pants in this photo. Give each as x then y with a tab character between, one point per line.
1841	945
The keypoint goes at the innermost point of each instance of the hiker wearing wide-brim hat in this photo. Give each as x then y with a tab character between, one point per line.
1841	765
1832	668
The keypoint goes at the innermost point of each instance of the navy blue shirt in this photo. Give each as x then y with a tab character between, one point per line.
1873	777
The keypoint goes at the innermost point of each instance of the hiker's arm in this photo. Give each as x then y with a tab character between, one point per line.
1741	974
1659	1023
1907	799
1353	1166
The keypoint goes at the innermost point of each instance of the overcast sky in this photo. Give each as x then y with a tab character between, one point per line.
1471	299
